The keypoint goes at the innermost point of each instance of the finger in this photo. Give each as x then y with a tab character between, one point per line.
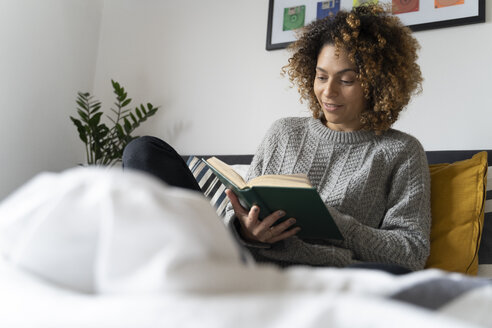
284	235
235	203
249	224
281	227
278	229
252	220
247	219
263	231
268	222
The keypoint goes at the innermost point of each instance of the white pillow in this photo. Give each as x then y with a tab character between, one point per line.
242	169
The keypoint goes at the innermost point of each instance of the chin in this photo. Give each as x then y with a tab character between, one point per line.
329	118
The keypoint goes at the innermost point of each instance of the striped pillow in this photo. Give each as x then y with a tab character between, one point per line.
485	250
212	188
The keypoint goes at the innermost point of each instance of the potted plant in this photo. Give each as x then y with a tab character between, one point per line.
104	145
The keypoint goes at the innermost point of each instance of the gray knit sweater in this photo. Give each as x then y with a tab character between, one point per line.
376	187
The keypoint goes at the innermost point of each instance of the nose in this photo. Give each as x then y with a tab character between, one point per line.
330	89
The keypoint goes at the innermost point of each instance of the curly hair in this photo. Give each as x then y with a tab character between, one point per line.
378	44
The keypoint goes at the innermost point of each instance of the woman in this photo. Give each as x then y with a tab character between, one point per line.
357	71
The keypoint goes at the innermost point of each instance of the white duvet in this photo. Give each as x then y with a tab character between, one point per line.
96	248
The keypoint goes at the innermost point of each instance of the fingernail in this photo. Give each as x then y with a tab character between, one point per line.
255	209
281	213
292	221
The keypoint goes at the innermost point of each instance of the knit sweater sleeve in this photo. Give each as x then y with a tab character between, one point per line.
403	236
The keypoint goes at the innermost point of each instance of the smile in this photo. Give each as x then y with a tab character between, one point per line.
331	107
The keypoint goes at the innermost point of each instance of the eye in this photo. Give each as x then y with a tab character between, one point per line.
321	78
347	82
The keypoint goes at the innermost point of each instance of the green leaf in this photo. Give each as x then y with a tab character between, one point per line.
152	111
119	131
83	95
94	121
83	116
116	86
126	102
80	129
82	104
95	107
102	130
127	125
138	112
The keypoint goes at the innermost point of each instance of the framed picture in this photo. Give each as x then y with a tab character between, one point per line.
286	17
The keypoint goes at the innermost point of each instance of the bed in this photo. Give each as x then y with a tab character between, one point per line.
89	247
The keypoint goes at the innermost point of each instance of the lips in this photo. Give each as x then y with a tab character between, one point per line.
331	107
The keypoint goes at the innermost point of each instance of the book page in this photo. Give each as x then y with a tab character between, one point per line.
286	180
227	172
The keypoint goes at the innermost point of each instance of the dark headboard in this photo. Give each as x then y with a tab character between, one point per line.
229	159
449	156
433	156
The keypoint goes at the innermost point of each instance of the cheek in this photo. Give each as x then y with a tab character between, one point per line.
363	100
358	98
316	90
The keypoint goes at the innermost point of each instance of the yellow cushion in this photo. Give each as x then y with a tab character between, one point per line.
457	202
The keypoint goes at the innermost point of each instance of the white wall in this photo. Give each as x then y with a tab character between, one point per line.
455	109
48	53
205	63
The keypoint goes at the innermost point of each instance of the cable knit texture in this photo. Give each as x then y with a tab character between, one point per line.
376	187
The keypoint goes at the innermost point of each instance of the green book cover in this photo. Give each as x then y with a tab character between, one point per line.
303	204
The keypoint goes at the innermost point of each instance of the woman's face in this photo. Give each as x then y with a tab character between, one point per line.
338	91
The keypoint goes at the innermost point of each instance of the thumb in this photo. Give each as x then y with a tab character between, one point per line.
235	203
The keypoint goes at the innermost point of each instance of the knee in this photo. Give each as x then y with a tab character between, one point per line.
142	150
140	144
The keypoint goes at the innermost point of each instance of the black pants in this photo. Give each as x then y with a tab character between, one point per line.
153	155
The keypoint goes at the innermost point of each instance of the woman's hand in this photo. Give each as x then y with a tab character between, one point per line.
264	231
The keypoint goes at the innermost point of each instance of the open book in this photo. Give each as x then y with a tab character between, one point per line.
292	193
